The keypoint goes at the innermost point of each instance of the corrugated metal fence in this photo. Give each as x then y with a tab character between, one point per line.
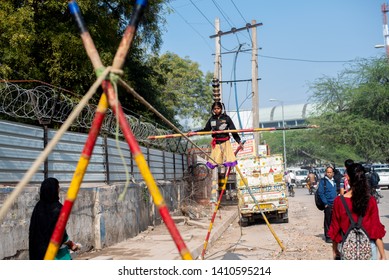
21	144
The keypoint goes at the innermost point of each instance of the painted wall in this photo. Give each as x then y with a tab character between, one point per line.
98	218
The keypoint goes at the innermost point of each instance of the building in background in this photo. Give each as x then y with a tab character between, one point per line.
294	115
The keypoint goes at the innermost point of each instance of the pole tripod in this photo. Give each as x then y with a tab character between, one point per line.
109	98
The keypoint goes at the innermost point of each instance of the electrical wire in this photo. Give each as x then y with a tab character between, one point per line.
194	29
307	60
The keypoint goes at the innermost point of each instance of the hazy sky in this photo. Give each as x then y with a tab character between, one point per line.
300	41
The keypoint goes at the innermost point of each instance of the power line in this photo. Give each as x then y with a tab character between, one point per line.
202	14
194	29
226	18
223	14
244	19
307	60
238	11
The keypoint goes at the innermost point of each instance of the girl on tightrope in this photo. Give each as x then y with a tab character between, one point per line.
222	152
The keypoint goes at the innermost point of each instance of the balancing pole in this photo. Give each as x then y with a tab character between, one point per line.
230	131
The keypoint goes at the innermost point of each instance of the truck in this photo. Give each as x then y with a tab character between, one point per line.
261	177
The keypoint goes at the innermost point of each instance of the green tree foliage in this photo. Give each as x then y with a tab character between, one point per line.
40	40
187	91
353	114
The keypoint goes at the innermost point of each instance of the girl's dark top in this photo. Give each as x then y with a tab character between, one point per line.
44	218
221	122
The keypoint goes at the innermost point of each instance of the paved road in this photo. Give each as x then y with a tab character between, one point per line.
302	237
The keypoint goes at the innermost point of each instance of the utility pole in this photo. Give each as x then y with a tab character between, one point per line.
254	72
384	9
254	85
218	66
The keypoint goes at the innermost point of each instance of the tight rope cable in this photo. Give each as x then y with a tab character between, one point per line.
50	146
151	108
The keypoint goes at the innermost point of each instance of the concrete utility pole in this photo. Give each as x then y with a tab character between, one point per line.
254	72
218	65
254	85
384	9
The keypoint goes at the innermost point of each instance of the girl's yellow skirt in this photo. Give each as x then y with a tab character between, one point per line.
222	154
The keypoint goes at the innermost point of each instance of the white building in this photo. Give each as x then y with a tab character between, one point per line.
294	115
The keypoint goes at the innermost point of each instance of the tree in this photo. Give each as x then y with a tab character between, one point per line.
352	115
40	40
331	94
358	125
187	91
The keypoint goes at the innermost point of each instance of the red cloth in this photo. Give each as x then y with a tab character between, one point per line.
340	221
214	139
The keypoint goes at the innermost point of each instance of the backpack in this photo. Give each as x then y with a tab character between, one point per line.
319	203
356	242
337	178
374	179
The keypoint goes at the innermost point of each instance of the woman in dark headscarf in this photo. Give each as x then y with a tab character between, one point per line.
43	220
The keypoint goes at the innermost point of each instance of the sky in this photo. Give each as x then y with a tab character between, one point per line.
300	41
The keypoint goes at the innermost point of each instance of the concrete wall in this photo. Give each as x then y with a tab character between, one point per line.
98	218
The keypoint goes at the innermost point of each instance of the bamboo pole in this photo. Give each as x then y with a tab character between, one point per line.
260	210
45	153
189	134
216	208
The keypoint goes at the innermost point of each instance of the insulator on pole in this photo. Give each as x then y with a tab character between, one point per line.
216	89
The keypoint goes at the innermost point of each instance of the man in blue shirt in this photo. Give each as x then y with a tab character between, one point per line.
327	192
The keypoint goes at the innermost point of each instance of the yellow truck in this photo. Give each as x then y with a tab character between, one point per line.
261	188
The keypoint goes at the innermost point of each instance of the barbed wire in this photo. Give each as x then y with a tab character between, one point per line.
47	104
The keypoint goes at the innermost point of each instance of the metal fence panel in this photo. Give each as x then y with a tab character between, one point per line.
21	145
63	160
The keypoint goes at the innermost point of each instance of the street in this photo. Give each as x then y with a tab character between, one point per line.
302	237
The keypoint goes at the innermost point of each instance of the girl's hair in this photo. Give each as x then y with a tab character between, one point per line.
218	104
348	162
360	188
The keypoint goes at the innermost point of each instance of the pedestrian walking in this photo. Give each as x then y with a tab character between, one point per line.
327	192
361	204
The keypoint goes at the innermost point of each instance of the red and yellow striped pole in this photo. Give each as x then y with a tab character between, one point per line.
96	126
260	210
146	174
56	238
217	207
229	131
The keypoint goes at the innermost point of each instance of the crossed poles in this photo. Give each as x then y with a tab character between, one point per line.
109	98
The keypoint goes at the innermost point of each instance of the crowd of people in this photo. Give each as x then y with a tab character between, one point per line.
356	186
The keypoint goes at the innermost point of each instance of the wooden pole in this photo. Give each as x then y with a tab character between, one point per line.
189	134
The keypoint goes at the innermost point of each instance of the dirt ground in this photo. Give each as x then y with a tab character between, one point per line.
300	239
